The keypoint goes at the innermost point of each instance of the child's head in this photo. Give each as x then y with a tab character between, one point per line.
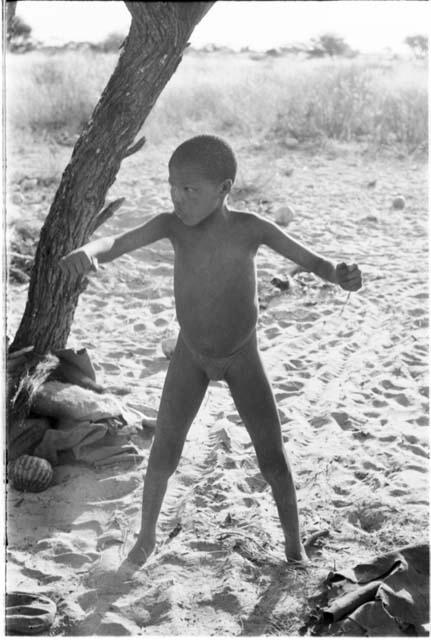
209	154
201	173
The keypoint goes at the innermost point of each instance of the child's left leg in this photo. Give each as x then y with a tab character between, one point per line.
254	399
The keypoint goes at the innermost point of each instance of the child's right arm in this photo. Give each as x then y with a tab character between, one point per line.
80	261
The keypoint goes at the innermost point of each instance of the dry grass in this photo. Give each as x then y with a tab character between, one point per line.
55	91
380	102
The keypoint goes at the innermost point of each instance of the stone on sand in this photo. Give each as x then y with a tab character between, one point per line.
291	143
398	202
284	215
168	345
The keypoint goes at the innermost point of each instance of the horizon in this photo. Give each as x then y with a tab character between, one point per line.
365	26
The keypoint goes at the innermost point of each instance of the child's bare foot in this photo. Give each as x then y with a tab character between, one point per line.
296	556
141	551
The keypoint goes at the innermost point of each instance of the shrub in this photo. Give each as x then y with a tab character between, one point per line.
266	99
56	91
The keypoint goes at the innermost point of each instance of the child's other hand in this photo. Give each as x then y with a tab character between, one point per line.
348	276
78	263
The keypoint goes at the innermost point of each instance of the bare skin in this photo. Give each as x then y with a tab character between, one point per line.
217	309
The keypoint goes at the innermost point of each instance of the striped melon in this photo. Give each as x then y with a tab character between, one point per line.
30	473
28	613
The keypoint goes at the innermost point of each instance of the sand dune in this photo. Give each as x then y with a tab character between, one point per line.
350	378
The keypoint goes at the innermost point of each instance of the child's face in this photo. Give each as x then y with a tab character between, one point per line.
194	196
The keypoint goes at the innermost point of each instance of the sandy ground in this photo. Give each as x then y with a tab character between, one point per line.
350	381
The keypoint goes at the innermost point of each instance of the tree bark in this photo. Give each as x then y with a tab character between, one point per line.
153	49
10	15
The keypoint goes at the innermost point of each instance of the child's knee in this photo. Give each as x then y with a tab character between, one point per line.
164	458
274	467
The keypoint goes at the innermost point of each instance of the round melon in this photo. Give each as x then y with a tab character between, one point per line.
30	473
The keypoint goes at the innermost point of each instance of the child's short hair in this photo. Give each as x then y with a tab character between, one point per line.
210	153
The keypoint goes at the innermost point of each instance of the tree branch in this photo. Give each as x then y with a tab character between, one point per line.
135	147
107	213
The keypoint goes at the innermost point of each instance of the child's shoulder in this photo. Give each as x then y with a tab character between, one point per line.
246	218
166	221
248	221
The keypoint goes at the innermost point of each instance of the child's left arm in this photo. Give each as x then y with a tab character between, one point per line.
349	277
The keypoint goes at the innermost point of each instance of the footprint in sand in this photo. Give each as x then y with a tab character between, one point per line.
281	396
140	326
111	571
396	492
368	517
414	448
88	525
114	624
118	486
110	539
110	367
40	576
75	560
42	545
88	599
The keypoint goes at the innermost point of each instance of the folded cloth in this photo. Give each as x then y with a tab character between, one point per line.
387	596
63	400
75	367
56	440
25	435
79	360
104	455
89	442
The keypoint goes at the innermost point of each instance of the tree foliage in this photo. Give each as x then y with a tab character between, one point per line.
112	42
19	28
329	44
418	44
18	34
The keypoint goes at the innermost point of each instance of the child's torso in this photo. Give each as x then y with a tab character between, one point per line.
215	286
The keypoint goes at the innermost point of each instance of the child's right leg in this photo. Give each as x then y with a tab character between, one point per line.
183	392
254	399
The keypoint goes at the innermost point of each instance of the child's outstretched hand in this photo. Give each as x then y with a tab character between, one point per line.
348	276
78	263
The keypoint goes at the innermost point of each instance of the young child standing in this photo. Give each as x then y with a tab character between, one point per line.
217	310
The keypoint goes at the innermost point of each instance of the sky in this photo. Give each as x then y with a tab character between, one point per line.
367	25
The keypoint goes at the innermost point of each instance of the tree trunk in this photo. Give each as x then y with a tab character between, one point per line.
152	51
10	15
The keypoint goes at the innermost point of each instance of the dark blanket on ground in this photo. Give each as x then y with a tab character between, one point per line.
389	596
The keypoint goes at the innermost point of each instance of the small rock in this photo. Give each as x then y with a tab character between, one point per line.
398	202
27	184
369	218
283	285
17	198
36	198
291	143
168	345
284	215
